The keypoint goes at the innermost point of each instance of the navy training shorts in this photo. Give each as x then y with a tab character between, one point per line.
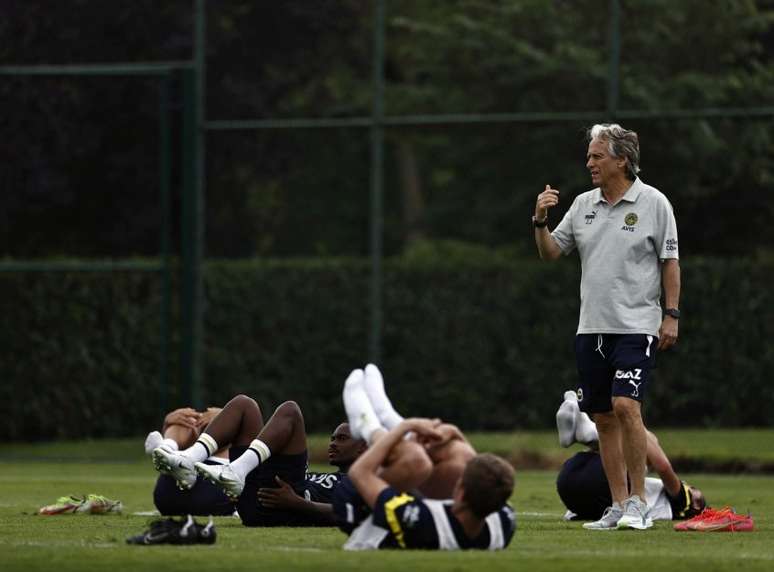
202	500
289	468
613	365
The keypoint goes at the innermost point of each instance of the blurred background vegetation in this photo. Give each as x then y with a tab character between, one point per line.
80	178
80	165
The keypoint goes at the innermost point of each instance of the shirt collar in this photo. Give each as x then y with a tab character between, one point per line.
633	192
630	196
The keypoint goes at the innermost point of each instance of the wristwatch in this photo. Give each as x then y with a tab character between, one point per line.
539	223
674	312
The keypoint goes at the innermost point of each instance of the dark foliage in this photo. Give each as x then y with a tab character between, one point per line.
485	342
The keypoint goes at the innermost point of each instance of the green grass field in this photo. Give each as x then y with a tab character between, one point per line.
34	475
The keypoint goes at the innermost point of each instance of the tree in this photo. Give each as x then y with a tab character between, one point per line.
87	173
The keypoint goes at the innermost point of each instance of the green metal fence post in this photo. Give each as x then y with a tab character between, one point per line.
614	41
165	177
377	185
191	299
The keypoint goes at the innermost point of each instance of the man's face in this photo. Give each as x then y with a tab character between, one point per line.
698	502
602	166
343	449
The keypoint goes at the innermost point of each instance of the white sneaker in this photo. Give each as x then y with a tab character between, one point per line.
609	519
565	422
176	465
635	514
153	441
222	476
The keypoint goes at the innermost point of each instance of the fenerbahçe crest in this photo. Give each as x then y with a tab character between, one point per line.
629	221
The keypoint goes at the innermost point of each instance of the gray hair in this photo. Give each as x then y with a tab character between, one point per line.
621	143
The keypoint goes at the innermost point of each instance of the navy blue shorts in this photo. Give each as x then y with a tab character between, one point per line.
582	486
289	468
613	365
203	499
349	508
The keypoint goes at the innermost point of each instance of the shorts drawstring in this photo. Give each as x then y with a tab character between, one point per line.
599	346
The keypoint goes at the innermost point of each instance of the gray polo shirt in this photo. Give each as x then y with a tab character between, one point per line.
621	248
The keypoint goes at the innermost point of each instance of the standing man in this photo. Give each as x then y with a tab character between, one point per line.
626	236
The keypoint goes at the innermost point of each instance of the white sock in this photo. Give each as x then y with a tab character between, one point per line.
571	396
585	429
256	454
203	449
362	418
170	443
565	421
373	384
153	441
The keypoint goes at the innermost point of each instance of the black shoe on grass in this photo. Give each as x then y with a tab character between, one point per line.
171	531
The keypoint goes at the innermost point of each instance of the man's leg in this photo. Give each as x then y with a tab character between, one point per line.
633	359
612	454
574	425
180	430
434	472
634	442
566	419
237	423
284	433
373	383
408	465
175	437
448	462
615	471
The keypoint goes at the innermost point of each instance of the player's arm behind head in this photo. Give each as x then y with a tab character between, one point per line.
393	461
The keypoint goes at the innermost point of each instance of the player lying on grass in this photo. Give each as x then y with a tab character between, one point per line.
267	474
582	484
180	430
378	507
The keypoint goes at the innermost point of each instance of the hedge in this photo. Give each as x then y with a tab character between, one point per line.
487	343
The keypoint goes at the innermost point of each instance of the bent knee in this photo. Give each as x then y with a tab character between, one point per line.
408	466
289	409
243	401
452	451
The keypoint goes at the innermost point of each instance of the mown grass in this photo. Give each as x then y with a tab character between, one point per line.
543	541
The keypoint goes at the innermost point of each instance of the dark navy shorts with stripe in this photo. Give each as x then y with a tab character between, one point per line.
613	365
289	468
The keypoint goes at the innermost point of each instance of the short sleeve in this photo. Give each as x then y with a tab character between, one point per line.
665	234
406	518
563	233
